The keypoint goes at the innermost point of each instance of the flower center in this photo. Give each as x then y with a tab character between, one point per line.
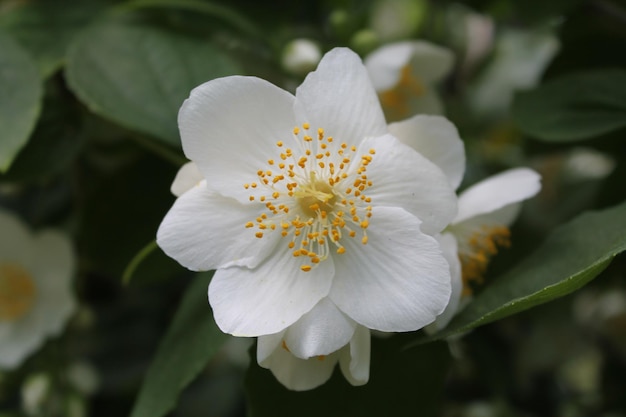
17	291
314	196
482	245
396	100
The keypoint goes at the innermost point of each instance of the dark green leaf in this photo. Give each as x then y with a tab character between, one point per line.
191	341
20	99
573	255
139	76
221	12
399	381
54	145
46	29
574	107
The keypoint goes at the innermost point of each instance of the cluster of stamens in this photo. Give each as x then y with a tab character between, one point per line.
314	196
482	246
17	291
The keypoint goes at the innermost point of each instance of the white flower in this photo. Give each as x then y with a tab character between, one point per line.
315	218
35	288
486	210
301	56
405	74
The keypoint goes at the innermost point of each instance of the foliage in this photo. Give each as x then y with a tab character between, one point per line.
89	144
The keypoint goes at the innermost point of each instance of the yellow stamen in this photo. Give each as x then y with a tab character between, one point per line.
17	291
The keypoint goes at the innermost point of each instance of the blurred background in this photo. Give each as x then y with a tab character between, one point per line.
99	147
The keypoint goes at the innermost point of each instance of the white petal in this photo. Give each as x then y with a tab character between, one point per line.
399	281
54	273
321	331
427	103
16	240
450	250
355	359
339	97
187	177
267	344
385	64
403	178
229	127
438	140
431	62
204	230
498	191
299	374
270	297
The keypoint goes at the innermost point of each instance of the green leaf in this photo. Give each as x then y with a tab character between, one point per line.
191	341
399	381
574	107
20	100
221	12
573	255
46	29
139	76
53	146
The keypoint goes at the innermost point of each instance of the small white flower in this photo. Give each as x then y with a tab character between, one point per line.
301	56
318	222
35	288
486	210
405	74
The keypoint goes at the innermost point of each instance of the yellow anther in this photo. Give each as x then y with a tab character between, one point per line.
364	224
291	244
341	250
249	224
259	234
315	260
306	126
270	161
296	130
251	198
364	240
279	143
275	194
372	151
262	198
305	268
246	186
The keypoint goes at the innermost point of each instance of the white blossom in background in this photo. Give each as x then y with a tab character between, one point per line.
519	59
486	210
301	56
319	223
405	75
34	393
36	297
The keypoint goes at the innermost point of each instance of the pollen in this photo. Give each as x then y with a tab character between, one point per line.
476	252
312	191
